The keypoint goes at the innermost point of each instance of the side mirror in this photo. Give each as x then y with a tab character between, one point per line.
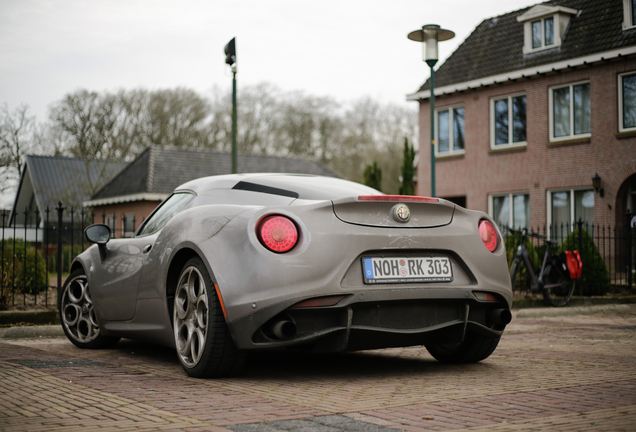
100	235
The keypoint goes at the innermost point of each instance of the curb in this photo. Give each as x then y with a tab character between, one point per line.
574	302
576	310
38	317
28	332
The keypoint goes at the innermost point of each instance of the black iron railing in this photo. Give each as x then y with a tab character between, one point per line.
37	248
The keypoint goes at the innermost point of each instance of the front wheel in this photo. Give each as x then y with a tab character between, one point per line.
475	347
77	314
204	345
557	288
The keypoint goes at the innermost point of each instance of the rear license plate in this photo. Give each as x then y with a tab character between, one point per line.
407	270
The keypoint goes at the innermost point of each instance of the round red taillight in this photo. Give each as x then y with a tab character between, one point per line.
488	235
277	233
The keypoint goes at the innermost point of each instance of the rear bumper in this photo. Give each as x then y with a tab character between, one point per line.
368	322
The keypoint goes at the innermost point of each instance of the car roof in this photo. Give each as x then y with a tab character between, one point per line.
303	186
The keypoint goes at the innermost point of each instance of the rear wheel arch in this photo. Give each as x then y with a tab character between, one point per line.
176	267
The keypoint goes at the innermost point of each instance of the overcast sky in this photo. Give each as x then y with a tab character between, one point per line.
341	48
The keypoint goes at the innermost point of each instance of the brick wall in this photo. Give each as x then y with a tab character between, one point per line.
140	209
540	166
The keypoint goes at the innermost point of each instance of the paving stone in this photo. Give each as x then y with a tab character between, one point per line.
574	372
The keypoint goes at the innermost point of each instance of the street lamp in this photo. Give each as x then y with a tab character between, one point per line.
430	34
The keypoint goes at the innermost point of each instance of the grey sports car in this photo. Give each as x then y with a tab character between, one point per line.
229	264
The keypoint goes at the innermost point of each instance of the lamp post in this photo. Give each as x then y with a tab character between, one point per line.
430	34
230	59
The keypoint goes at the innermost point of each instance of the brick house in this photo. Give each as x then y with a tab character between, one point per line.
47	180
133	194
530	107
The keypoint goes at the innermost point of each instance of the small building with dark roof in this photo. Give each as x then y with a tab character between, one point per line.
47	180
125	201
530	108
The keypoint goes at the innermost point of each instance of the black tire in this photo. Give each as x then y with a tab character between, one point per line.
474	348
557	288
77	314
204	345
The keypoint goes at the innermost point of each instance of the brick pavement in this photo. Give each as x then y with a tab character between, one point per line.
553	373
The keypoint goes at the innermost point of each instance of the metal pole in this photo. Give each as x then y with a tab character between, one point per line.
628	239
431	63
234	122
60	210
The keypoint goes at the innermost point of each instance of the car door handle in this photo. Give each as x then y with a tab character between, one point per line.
147	248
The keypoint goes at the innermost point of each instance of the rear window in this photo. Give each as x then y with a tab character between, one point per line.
306	187
166	211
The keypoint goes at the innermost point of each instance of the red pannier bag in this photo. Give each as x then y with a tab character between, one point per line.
574	264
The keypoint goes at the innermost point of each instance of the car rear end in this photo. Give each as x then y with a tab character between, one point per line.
368	272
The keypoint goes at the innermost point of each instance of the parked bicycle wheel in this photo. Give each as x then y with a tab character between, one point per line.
520	279
557	288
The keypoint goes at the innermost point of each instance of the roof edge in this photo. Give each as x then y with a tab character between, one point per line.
126	198
523	73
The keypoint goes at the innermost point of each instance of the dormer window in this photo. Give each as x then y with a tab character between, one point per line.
544	27
543	33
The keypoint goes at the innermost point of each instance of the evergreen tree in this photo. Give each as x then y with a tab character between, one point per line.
408	170
373	176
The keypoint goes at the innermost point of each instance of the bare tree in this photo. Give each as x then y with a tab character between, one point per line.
18	137
177	118
345	137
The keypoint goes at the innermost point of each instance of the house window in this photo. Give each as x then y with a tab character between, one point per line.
545	26
627	101
511	210
129	224
629	14
450	131
508	121
111	221
566	207
543	33
569	111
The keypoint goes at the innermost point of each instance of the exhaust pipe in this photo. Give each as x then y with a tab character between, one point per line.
500	316
283	329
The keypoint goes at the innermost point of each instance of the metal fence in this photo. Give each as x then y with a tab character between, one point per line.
35	258
608	255
36	255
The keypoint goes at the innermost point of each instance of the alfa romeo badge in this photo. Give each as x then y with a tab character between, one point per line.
401	213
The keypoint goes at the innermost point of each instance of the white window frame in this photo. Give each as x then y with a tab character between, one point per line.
622	128
561	18
510	195
111	221
510	144
627	15
556	28
543	44
124	220
551	111
451	151
572	191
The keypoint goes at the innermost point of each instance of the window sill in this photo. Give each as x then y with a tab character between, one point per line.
626	134
449	157
506	150
568	142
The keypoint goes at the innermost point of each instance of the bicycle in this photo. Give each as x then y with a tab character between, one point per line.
553	281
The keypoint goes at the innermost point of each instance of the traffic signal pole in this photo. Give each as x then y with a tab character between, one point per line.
230	59
234	122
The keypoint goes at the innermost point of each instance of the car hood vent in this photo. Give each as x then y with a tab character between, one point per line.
381	214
